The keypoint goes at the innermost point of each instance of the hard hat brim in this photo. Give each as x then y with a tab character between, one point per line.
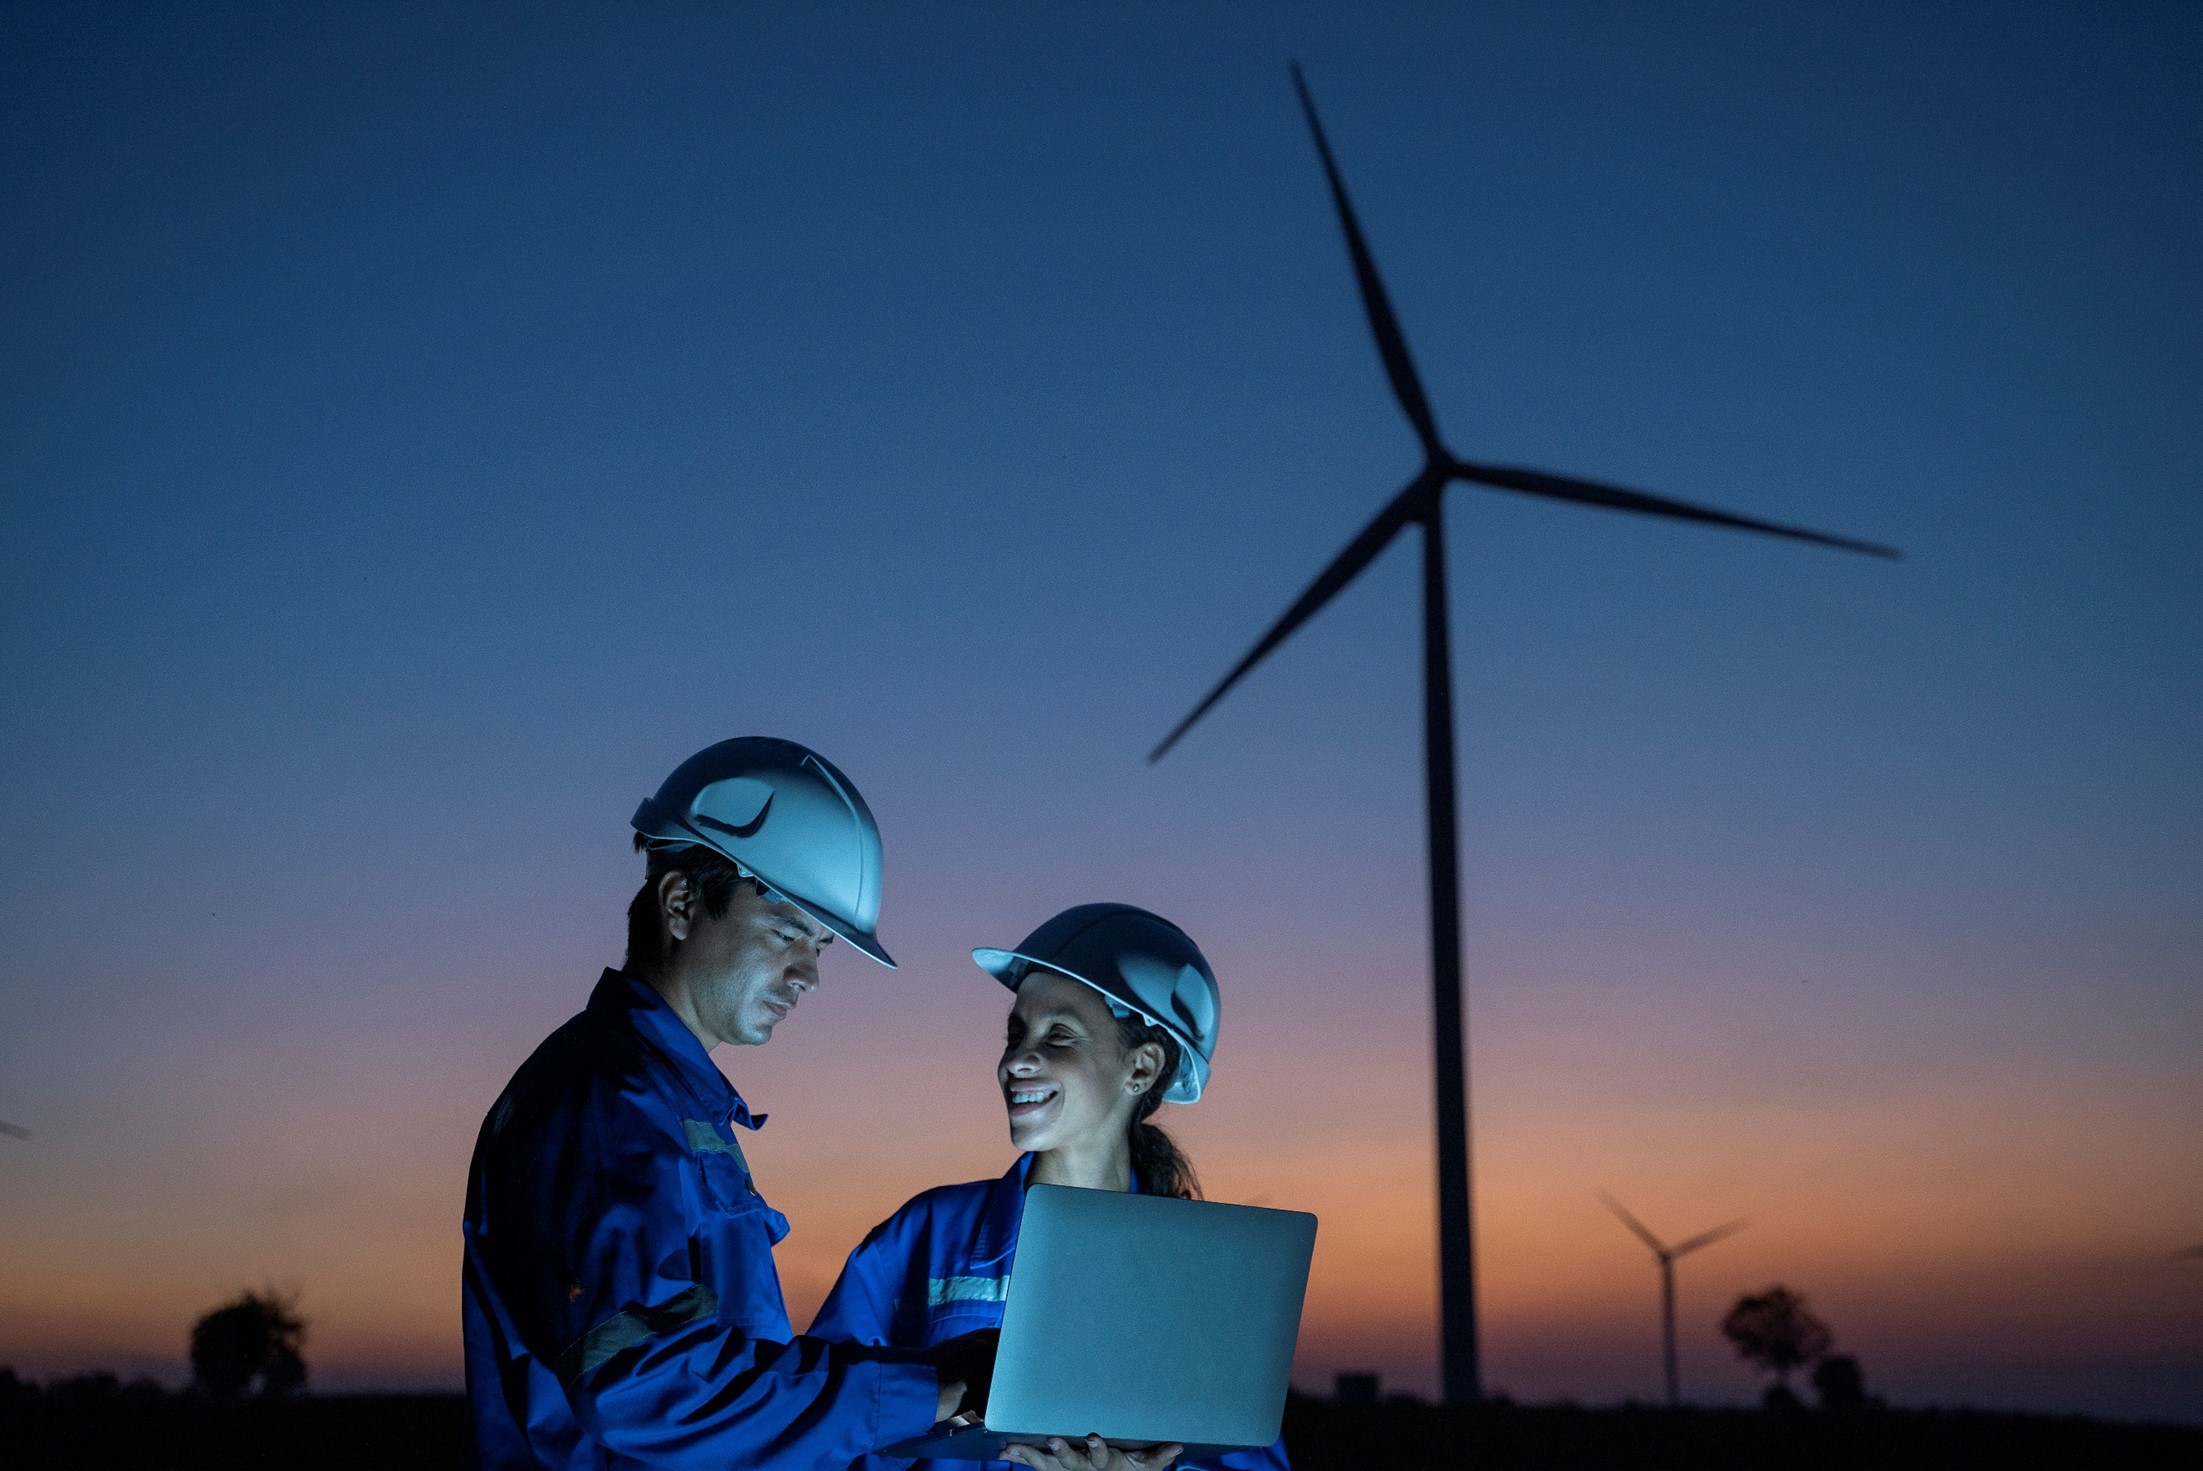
863	940
999	963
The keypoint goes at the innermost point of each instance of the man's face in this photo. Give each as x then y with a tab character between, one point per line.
742	974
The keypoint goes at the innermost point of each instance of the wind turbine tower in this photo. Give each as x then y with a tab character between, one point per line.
1665	1256
1421	502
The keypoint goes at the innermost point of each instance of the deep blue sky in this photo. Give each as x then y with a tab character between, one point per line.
427	424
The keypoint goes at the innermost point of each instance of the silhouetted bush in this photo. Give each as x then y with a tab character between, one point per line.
252	1340
1839	1384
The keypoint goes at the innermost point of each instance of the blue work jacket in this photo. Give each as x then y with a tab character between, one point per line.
939	1267
620	1300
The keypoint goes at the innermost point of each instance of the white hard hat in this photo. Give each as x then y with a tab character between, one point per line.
785	817
1142	963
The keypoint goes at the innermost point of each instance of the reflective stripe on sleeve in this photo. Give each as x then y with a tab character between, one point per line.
941	1290
632	1327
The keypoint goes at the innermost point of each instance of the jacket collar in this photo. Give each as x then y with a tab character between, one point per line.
629	1000
1005	1209
1005	1212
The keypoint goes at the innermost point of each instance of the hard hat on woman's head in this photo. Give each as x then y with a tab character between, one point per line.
785	816
1142	963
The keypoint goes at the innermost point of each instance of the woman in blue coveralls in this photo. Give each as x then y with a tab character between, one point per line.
1115	1014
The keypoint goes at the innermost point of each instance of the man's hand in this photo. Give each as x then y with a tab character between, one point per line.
952	1396
966	1365
1090	1454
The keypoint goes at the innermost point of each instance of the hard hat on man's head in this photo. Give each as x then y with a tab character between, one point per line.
786	817
1142	963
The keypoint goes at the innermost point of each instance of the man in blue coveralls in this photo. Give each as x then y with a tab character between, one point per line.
621	1303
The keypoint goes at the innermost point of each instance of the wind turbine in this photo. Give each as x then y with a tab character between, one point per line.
1666	1256
1421	502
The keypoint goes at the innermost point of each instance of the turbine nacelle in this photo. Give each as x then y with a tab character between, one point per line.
1662	1252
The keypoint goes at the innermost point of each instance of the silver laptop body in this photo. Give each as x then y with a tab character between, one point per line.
1142	1319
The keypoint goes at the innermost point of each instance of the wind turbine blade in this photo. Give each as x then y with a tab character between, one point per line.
1614	497
14	1131
1632	1223
1391	346
1708	1238
1359	553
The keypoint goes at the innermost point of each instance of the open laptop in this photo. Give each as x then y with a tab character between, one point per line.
1141	1319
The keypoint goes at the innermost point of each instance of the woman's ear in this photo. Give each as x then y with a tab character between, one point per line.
1146	1067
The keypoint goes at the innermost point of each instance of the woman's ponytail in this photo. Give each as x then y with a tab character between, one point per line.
1158	1164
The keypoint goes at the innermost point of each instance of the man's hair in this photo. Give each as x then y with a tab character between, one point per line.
712	874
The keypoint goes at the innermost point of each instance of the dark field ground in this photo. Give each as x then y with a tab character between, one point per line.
128	1432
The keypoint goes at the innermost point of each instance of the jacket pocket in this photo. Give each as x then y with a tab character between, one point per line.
728	1186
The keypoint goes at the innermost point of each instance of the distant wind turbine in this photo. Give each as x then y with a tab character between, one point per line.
1666	1256
1421	502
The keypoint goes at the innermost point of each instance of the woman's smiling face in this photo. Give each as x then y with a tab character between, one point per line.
1066	1076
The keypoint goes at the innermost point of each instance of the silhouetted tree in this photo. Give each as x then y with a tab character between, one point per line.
254	1339
1840	1385
1775	1331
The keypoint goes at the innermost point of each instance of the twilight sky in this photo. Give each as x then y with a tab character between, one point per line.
425	425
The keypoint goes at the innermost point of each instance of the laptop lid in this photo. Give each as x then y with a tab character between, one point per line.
1144	1319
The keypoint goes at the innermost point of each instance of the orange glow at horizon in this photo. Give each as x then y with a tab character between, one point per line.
1945	1217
